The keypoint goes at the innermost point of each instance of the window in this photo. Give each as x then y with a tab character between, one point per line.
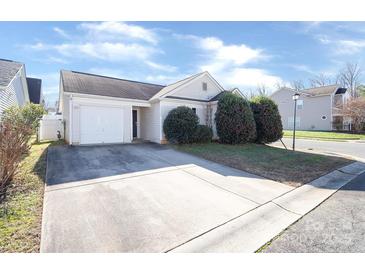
300	104
205	86
324	117
194	110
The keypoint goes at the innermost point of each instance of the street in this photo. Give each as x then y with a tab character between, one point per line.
337	225
331	147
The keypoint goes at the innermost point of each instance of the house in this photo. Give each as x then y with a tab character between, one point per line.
13	84
99	109
317	108
15	88
35	90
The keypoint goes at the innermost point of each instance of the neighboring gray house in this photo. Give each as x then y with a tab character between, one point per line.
15	88
317	108
13	84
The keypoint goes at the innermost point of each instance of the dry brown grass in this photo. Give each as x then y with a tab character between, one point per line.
21	212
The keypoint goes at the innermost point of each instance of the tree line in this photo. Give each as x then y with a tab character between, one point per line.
348	77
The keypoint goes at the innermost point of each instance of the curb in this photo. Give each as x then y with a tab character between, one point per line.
253	230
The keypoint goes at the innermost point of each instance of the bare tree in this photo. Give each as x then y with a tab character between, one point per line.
279	85
349	77
297	85
354	109
320	80
251	94
262	90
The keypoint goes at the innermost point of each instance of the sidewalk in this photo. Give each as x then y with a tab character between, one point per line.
252	230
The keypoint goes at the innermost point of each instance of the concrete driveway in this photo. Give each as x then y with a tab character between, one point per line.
142	198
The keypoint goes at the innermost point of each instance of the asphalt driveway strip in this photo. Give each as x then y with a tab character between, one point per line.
336	225
141	198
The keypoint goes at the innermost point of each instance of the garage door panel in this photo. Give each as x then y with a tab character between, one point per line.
99	124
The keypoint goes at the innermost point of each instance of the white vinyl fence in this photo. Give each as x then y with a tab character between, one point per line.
50	126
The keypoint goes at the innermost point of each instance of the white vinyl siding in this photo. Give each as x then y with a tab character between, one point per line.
150	123
300	104
291	122
16	93
194	89
7	98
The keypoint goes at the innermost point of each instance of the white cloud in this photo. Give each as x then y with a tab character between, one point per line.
324	39
109	41
61	32
165	79
342	46
230	63
350	46
301	67
166	68
246	78
38	46
119	30
53	59
101	50
237	54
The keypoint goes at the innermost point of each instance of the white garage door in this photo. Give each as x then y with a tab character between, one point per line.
101	125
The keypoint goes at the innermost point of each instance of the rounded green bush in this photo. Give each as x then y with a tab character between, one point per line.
180	125
268	120
234	120
202	134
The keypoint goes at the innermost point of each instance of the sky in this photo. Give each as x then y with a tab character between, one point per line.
237	54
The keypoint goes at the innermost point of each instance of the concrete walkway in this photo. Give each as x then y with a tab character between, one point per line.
147	198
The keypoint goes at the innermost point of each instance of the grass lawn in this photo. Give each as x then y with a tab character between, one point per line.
293	168
324	135
21	213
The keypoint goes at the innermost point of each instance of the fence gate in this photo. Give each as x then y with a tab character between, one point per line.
49	128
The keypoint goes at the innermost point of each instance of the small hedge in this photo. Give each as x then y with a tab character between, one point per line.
268	121
202	134
180	125
234	120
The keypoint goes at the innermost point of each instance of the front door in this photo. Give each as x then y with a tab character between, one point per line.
134	112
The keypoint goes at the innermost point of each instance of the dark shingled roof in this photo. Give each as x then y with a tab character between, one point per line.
218	96
92	84
34	89
8	70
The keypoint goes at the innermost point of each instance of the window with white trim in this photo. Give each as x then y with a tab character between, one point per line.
194	110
